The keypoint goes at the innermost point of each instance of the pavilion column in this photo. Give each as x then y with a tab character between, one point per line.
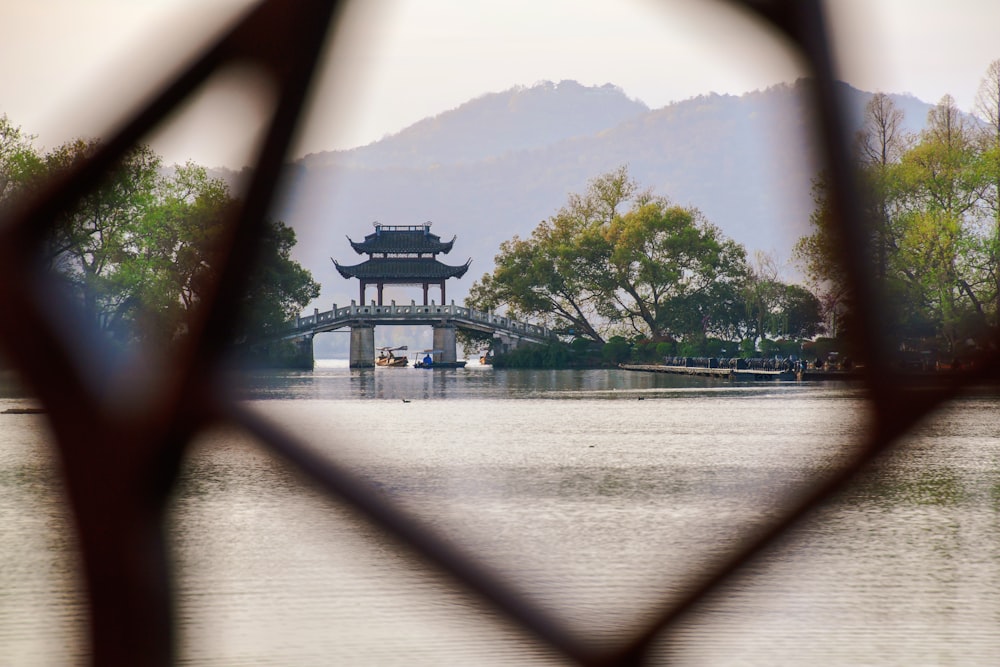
362	299
442	294
380	286
425	293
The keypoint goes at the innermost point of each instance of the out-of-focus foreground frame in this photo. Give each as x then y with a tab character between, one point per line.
120	465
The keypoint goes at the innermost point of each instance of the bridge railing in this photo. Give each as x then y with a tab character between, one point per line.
418	311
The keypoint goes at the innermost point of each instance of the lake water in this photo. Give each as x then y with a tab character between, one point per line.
597	504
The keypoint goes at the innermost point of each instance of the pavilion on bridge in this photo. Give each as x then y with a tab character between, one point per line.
402	255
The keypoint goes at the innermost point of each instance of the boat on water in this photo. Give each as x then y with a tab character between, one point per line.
427	361
387	357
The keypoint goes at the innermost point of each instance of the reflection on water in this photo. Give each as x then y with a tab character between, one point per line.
903	569
332	379
42	618
596	492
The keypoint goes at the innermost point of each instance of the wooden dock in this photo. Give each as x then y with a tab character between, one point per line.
727	373
723	373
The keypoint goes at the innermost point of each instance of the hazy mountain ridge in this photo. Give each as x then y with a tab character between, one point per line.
497	165
518	119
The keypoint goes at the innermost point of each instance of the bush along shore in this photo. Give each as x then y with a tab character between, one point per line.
583	353
822	356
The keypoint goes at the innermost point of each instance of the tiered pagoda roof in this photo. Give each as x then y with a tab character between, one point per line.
402	270
402	254
400	239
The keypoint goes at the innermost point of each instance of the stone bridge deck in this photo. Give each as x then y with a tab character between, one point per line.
414	314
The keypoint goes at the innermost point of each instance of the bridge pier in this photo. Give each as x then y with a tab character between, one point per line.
444	340
504	343
302	354
445	319
362	346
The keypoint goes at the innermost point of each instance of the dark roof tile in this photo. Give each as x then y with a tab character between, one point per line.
402	240
402	269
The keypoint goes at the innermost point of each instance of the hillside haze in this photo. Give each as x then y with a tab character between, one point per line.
496	166
494	125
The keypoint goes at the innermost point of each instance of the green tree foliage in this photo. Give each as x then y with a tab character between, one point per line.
559	275
140	252
18	158
99	248
940	190
617	261
530	282
671	272
880	144
934	230
279	287
988	108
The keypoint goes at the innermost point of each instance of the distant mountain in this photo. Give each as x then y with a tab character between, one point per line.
494	125
499	164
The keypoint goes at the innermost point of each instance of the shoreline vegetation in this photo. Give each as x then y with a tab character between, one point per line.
140	253
823	357
629	277
623	275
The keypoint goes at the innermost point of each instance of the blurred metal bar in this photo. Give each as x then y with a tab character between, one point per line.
120	468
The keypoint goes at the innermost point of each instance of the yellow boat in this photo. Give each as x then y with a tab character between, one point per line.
388	359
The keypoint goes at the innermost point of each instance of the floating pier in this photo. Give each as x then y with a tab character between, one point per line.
723	373
745	372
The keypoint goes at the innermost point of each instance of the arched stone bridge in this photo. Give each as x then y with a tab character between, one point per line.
362	320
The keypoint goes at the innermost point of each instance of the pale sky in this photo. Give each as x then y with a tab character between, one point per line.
72	68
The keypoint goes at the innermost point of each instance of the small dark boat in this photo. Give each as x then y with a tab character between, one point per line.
427	361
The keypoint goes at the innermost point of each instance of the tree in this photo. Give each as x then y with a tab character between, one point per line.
758	298
943	188
278	286
819	255
988	107
18	158
533	279
936	252
988	100
182	234
97	247
669	271
881	144
140	251
556	276
617	260
796	315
